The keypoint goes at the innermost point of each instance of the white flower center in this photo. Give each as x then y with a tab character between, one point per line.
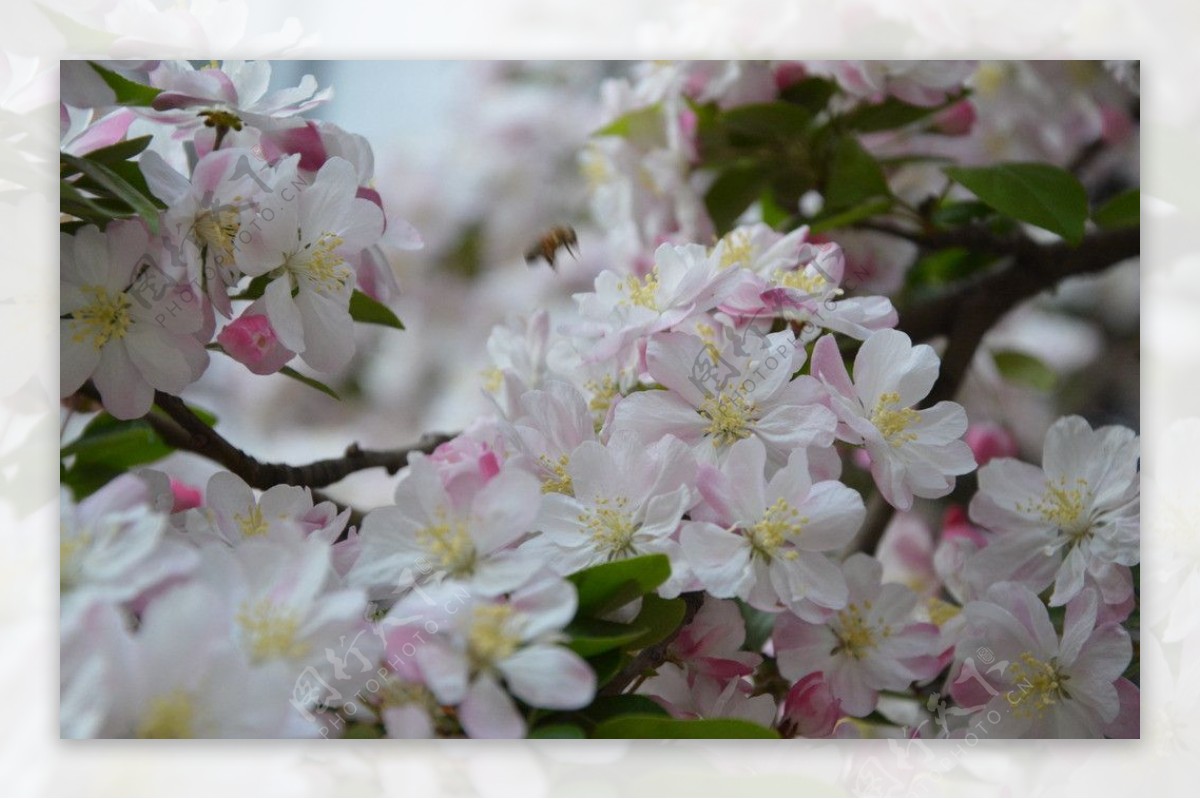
1039	684
559	481
270	631
611	527
449	542
105	318
729	417
856	636
218	232
640	291
169	716
893	422
252	524
491	637
319	264
737	249
1064	507
780	523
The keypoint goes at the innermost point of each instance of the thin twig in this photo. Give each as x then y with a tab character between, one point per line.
194	435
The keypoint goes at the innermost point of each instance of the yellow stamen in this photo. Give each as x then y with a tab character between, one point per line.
104	319
611	527
449	542
491	637
855	636
169	716
640	291
780	524
252	524
1039	685
729	416
270	631
737	249
893	422
560	483
319	263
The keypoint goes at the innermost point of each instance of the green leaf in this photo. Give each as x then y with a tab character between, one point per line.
962	212
592	636
85	479
1026	370
642	124
735	188
759	625
1039	194
768	121
367	310
362	730
117	186
607	707
607	665
891	113
121	151
311	382
116	443
608	586
812	94
128	92
658	618
657	727
558	731
950	265
1124	210
854	176
841	219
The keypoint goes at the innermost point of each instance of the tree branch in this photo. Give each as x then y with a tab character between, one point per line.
185	430
650	658
965	314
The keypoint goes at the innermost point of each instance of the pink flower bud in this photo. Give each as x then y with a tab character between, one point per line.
988	440
1115	125
810	709
465	465
957	120
789	73
186	496
251	340
956	525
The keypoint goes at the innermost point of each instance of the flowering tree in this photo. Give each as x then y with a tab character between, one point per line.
767	475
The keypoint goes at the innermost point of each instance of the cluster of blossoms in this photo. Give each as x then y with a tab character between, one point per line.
264	208
696	404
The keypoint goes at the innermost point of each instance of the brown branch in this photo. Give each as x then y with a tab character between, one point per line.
184	430
965	314
650	658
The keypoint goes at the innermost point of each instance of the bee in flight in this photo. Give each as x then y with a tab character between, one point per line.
558	238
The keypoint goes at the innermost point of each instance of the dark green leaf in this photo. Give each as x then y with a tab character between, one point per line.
657	727
1039	194
607	707
732	193
1026	370
558	731
841	219
607	665
608	586
128	92
117	443
768	120
963	212
311	382
117	186
121	151
364	308
891	113
363	730
941	267
854	176
658	618
811	94
1124	210
85	479
590	637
